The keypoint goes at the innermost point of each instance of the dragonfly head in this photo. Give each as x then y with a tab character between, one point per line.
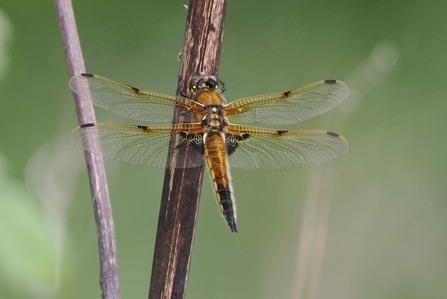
199	84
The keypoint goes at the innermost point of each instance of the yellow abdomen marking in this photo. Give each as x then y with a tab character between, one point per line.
216	157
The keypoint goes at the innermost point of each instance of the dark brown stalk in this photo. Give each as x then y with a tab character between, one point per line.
95	166
182	186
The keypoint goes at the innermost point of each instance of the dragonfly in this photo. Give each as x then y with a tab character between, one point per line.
212	133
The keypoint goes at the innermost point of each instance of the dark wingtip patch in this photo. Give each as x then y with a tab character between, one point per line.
87	75
332	134
330	81
87	125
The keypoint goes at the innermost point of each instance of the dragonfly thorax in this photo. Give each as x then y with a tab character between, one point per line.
214	119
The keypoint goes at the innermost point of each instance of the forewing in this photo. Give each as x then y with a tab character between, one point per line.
128	101
288	107
253	148
140	145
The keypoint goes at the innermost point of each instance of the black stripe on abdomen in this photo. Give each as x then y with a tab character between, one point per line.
226	205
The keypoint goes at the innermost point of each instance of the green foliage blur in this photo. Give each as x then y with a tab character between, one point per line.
371	224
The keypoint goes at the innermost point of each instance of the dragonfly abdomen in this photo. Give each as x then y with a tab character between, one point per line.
216	157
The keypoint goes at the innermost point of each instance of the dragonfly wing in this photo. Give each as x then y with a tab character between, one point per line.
140	145
272	150
288	107
128	101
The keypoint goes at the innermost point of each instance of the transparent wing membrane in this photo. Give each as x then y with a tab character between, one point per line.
284	150
248	147
288	107
127	101
140	145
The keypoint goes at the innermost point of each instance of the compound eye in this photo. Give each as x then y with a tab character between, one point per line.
211	83
196	84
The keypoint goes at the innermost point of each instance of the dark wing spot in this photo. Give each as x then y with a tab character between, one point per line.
87	75
196	140
287	93
136	90
330	81
87	125
233	141
332	134
280	133
144	128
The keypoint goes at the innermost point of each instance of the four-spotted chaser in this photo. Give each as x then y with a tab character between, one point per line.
220	143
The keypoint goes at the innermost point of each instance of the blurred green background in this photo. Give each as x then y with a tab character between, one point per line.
371	224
